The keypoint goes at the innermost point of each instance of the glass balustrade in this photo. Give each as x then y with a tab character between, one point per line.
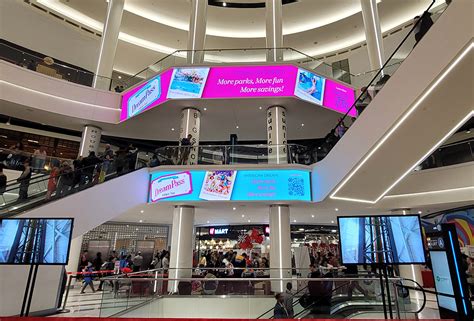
250	293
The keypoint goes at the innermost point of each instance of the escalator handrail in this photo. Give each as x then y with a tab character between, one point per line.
317	301
383	67
292	296
420	288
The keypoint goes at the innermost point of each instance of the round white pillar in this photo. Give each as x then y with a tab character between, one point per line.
274	29
197	31
373	33
190	125
90	140
182	236
276	135
280	246
74	255
108	44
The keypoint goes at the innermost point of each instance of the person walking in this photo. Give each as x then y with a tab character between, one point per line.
185	147
24	180
97	263
89	165
88	278
137	262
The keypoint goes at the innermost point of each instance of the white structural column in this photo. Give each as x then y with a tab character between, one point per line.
276	135
197	31
108	44
190	125
373	33
90	140
280	246
182	236
74	254
274	29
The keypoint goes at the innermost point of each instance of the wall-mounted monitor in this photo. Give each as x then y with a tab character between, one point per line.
395	239
41	241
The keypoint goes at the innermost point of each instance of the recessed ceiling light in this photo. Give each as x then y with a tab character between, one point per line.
332	222
419	212
312	215
136	229
119	77
243	215
142	211
207	222
205	108
302	125
248	221
260	107
233	208
294	221
172	129
336	209
128	225
141	221
224	4
333	231
237	127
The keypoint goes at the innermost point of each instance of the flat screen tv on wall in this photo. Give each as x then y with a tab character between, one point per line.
393	239
43	241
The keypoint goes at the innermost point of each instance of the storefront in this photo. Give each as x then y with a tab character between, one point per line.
307	241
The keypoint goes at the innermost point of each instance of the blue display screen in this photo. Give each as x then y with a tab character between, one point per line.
35	241
442	278
231	185
376	239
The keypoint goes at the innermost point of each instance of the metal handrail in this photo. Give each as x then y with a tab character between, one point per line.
177	52
380	71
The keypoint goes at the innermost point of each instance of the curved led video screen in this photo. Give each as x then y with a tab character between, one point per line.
381	239
40	241
230	185
233	82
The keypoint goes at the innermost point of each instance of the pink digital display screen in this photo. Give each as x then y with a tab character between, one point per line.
235	82
339	97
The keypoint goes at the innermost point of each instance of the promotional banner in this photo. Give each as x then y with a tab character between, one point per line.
235	82
310	87
145	96
231	185
339	97
250	81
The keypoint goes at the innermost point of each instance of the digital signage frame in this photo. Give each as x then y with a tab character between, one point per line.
43	237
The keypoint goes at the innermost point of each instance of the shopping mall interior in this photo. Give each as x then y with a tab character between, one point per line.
237	159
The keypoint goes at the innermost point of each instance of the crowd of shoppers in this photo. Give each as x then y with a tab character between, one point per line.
65	176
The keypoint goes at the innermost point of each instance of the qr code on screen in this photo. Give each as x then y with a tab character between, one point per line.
296	186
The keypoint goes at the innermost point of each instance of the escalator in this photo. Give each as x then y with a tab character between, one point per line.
420	106
90	194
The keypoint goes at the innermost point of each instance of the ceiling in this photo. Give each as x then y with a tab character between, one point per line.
208	213
153	28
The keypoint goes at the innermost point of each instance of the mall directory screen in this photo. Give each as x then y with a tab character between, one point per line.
233	82
230	185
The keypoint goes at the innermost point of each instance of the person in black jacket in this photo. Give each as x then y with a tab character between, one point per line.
3	180
89	165
423	26
279	311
